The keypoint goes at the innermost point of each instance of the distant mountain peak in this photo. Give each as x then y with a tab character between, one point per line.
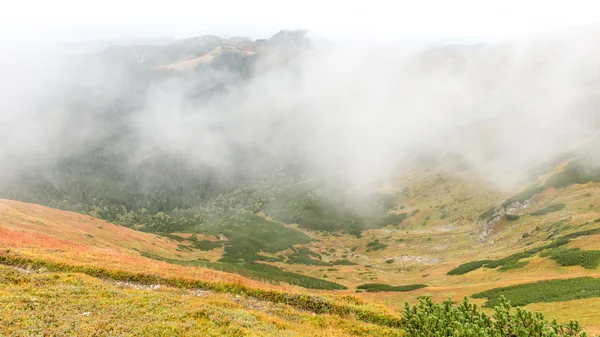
293	37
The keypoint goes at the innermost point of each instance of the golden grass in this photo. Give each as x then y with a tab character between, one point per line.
68	304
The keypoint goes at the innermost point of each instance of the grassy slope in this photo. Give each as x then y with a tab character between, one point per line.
66	304
422	249
34	231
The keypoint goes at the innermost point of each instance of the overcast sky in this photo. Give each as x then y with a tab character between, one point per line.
75	20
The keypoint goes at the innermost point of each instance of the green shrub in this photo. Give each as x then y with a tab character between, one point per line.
303	256
514	261
206	244
589	259
512	217
574	173
487	214
468	267
171	236
524	195
375	245
429	319
549	209
544	291
343	262
378	287
257	271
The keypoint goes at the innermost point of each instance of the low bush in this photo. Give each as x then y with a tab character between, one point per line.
544	291
257	271
514	261
589	259
468	267
206	244
303	256
429	319
549	209
487	214
378	287
512	217
343	262
375	245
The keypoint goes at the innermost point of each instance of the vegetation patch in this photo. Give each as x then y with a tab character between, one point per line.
375	245
468	267
256	271
343	262
248	234
304	256
512	217
544	291
206	244
171	236
514	261
378	287
574	173
429	319
549	209
589	259
487	215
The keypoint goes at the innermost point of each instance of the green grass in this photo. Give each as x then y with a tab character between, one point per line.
256	271
378	287
544	291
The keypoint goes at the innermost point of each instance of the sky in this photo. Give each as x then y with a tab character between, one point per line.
386	20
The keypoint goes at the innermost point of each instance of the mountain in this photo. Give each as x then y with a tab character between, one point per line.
235	187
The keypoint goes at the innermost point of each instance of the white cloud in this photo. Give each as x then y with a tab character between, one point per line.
427	19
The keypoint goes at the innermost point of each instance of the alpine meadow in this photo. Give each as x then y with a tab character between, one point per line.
301	186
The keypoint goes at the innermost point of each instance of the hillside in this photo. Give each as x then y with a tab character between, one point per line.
449	225
287	185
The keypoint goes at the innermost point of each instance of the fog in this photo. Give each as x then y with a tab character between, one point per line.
352	114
